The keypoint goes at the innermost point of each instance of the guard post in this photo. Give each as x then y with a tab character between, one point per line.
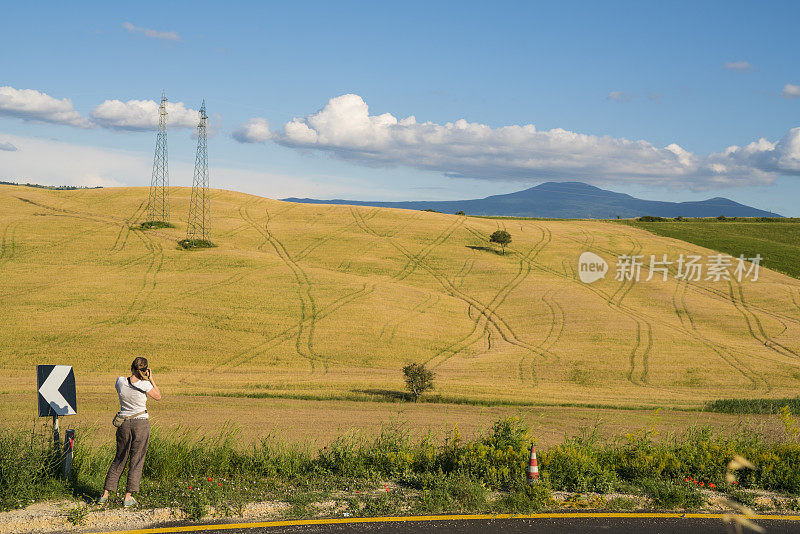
69	446
57	397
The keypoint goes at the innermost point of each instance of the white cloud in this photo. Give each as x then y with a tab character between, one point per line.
255	130
141	115
153	34
345	129
7	147
791	91
32	105
619	96
737	65
95	180
50	162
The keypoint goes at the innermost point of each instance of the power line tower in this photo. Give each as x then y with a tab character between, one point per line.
158	203
199	227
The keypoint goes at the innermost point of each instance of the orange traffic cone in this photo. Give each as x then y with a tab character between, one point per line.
533	467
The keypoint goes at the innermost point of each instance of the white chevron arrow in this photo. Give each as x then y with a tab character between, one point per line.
49	390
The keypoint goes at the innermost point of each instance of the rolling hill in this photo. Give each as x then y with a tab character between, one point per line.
567	200
329	300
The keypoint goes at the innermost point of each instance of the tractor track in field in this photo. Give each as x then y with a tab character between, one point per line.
643	341
88	216
730	359
795	299
543	347
626	287
682	310
643	327
8	246
680	306
82	216
125	229
505	332
148	285
754	325
414	260
321	241
389	329
277	339
735	296
525	364
725	297
138	305
73	213
304	339
324	311
347	262
557	324
406	269
461	276
746	310
558	317
312	246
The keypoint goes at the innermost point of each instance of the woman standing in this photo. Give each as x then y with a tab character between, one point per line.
134	433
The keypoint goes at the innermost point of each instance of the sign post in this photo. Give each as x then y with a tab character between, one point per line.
57	397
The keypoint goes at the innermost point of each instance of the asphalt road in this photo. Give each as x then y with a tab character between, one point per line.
564	524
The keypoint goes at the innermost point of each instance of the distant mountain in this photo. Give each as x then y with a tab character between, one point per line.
567	200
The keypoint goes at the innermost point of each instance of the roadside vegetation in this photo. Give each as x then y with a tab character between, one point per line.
777	240
395	474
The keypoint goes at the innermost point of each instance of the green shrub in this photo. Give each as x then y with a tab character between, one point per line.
672	493
155	225
577	465
384	504
188	244
523	498
449	493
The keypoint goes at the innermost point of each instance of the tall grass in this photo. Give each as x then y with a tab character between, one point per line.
28	469
748	406
451	473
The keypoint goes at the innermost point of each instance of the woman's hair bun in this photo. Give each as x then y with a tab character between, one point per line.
138	366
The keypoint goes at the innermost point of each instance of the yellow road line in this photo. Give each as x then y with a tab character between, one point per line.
551	515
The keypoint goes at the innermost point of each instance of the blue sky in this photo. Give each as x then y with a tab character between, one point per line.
594	78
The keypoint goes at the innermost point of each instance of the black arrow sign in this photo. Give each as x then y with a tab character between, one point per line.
56	385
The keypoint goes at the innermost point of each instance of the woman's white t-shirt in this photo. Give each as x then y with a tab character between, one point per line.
133	397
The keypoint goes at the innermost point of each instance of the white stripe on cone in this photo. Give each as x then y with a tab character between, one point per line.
533	467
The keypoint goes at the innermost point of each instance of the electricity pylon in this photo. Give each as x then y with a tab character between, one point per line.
199	227
158	203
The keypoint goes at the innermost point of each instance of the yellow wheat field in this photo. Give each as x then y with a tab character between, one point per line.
321	299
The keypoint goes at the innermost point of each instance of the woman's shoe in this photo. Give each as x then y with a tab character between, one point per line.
130	502
102	500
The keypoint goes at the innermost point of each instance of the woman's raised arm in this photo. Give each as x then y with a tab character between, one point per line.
154	393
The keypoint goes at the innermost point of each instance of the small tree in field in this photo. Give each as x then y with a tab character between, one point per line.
501	237
419	379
